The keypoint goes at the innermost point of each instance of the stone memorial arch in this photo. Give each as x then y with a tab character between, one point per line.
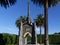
27	30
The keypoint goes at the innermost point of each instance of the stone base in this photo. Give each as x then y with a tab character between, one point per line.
29	44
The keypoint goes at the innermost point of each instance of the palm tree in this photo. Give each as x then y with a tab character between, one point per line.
40	23
46	4
7	3
23	19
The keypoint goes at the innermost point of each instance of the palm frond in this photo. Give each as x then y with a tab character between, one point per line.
18	21
50	2
40	20
7	3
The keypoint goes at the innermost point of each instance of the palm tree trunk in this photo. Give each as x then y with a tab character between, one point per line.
40	36
46	41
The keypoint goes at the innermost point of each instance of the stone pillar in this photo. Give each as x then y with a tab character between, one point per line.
20	35
26	40
35	32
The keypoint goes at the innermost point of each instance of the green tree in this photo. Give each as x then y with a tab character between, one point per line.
6	39
13	39
22	18
40	23
1	39
7	3
46	4
16	39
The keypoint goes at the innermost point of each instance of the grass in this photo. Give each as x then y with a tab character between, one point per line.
54	44
51	44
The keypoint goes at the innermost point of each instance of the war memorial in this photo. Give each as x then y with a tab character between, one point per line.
28	29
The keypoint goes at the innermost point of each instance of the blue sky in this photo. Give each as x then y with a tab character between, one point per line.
9	16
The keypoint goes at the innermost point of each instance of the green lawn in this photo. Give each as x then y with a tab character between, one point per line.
54	44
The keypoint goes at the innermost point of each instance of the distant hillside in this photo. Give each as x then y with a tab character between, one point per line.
53	38
57	33
6	38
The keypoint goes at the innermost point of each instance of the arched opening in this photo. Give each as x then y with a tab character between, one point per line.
27	37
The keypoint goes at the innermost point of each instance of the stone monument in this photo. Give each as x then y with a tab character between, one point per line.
28	30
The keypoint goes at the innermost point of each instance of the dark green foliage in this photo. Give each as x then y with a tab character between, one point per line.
57	33
1	39
22	18
40	20
42	38
54	39
8	39
50	2
7	3
13	39
38	38
28	38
